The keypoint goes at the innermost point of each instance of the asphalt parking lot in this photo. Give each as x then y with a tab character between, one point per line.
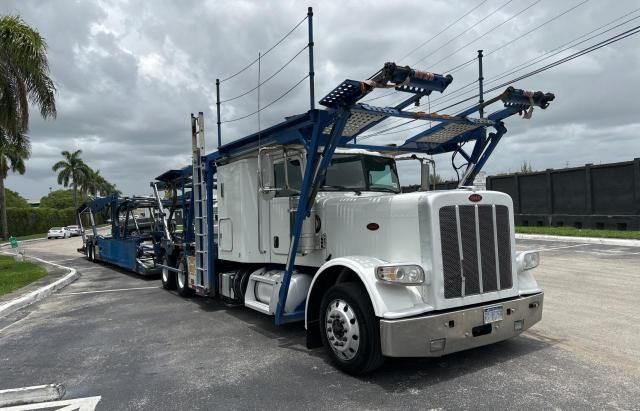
122	337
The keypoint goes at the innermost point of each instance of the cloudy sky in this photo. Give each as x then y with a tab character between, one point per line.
129	73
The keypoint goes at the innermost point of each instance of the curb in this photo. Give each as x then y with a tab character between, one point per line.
40	293
30	395
24	241
588	240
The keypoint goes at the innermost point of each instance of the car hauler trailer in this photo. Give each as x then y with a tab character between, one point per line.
312	227
132	242
177	240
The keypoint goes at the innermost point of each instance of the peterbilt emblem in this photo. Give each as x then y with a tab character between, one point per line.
475	197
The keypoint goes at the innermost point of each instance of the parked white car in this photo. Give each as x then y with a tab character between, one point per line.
58	232
74	230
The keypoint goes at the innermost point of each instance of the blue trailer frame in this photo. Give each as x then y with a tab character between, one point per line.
344	119
124	248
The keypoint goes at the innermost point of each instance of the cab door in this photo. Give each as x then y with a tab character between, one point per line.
288	183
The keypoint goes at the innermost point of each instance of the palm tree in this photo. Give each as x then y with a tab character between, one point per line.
95	184
72	170
11	159
24	80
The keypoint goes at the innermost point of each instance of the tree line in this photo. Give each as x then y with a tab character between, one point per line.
75	173
25	81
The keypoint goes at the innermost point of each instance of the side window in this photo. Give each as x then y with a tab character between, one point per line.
278	175
294	169
294	174
381	177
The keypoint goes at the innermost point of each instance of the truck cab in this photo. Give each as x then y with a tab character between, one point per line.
429	272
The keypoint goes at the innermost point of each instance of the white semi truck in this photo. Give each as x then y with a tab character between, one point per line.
312	226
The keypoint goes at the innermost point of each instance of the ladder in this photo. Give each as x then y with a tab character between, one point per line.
199	206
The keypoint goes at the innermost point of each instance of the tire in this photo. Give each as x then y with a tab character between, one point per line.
349	329
91	253
168	277
182	279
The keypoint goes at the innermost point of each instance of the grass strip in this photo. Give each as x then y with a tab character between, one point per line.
579	232
16	274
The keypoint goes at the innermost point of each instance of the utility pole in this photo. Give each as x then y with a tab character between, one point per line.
312	97
218	111
480	85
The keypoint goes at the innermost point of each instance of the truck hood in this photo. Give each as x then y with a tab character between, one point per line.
446	232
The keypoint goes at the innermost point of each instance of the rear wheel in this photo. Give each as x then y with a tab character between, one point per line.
93	253
349	329
168	276
181	279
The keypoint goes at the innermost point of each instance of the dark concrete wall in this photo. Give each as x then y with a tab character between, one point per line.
593	196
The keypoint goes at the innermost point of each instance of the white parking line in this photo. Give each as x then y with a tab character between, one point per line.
106	291
560	248
28	395
76	404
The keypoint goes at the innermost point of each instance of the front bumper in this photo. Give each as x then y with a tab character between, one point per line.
413	337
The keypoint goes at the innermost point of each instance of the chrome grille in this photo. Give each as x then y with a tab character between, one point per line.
476	249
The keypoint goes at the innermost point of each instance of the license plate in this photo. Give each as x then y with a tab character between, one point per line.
493	314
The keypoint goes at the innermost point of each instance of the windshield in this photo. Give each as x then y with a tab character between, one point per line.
362	173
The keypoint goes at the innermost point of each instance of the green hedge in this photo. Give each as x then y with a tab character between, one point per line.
27	221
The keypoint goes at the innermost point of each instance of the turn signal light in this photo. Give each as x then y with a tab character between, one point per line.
400	274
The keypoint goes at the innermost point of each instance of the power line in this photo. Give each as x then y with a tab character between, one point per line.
468	62
544	56
245	68
537	27
487	32
426	42
460	91
442	31
381	133
379	97
268	78
464	32
461	34
270	104
459	66
587	50
590	49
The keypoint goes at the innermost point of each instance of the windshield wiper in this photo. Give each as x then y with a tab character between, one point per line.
341	188
384	188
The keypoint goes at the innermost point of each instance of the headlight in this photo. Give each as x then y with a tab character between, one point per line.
400	274
528	260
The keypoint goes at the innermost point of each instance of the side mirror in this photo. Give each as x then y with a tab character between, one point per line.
266	183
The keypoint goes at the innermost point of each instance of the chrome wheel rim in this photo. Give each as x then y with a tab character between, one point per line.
181	275
342	329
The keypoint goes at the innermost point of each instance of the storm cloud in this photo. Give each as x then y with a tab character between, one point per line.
129	73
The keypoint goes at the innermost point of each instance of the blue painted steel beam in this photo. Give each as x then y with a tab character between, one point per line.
490	145
282	133
212	253
313	175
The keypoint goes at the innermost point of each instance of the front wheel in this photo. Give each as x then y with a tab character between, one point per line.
349	329
181	279
168	276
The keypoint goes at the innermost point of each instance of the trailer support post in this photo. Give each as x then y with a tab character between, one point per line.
312	97
480	84
218	112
